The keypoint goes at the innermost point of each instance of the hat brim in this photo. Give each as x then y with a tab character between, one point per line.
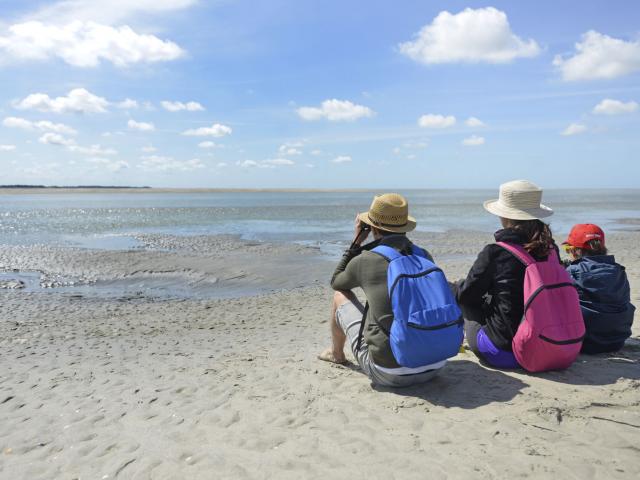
496	208
407	227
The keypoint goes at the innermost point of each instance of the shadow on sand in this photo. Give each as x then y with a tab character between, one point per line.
602	369
464	384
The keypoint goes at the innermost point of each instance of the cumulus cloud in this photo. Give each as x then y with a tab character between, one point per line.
614	107
85	44
148	149
93	150
7	148
290	149
472	36
599	56
215	130
127	104
43	125
436	121
269	163
278	162
574	129
473	141
141	126
162	164
341	159
109	164
335	111
78	100
207	144
56	139
474	122
178	106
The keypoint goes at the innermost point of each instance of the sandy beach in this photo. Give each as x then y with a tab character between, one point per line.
140	386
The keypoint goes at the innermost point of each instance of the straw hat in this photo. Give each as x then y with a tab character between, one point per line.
389	212
519	200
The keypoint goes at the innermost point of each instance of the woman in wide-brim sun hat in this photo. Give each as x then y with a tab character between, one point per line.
492	295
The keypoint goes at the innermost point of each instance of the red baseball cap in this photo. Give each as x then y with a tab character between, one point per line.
582	233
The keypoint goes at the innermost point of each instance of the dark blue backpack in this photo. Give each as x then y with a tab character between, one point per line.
427	326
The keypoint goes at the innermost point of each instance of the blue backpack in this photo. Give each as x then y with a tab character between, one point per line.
427	326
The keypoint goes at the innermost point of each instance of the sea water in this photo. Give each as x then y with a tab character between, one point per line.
111	220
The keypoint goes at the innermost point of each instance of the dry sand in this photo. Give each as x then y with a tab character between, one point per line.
137	387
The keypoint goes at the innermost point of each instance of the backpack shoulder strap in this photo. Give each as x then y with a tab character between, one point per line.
518	252
387	252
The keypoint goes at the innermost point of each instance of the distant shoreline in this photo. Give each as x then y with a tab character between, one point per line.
88	189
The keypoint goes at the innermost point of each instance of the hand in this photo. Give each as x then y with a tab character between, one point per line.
359	234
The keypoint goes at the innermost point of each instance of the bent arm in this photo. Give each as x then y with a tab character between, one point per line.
471	291
346	275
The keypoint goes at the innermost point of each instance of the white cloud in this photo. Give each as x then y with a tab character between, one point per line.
574	129
56	139
221	164
473	141
247	164
316	152
127	104
614	107
279	162
341	159
43	125
599	56
113	11
78	100
85	44
472	36
215	130
148	149
51	138
141	126
269	163
207	144
290	149
7	148
178	106
474	122
335	111
92	150
162	164
109	164
436	121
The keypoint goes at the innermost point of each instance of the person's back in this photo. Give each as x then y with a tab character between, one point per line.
603	287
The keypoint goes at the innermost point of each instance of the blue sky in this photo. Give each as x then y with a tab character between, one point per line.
332	94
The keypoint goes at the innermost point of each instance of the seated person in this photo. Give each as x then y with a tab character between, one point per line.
603	288
492	295
388	221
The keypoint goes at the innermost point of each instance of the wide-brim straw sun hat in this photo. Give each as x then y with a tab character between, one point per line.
389	212
519	200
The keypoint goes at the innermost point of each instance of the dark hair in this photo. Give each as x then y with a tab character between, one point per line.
594	247
537	234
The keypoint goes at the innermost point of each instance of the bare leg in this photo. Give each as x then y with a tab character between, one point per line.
335	354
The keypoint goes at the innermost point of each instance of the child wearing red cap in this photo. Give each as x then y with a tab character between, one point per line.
603	288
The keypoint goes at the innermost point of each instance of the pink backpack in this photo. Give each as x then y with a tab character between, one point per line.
551	331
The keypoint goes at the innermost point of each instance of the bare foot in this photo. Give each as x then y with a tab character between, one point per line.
328	356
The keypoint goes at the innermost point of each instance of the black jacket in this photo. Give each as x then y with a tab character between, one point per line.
605	300
493	292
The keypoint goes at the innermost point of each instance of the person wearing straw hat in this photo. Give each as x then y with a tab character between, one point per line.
388	221
492	295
